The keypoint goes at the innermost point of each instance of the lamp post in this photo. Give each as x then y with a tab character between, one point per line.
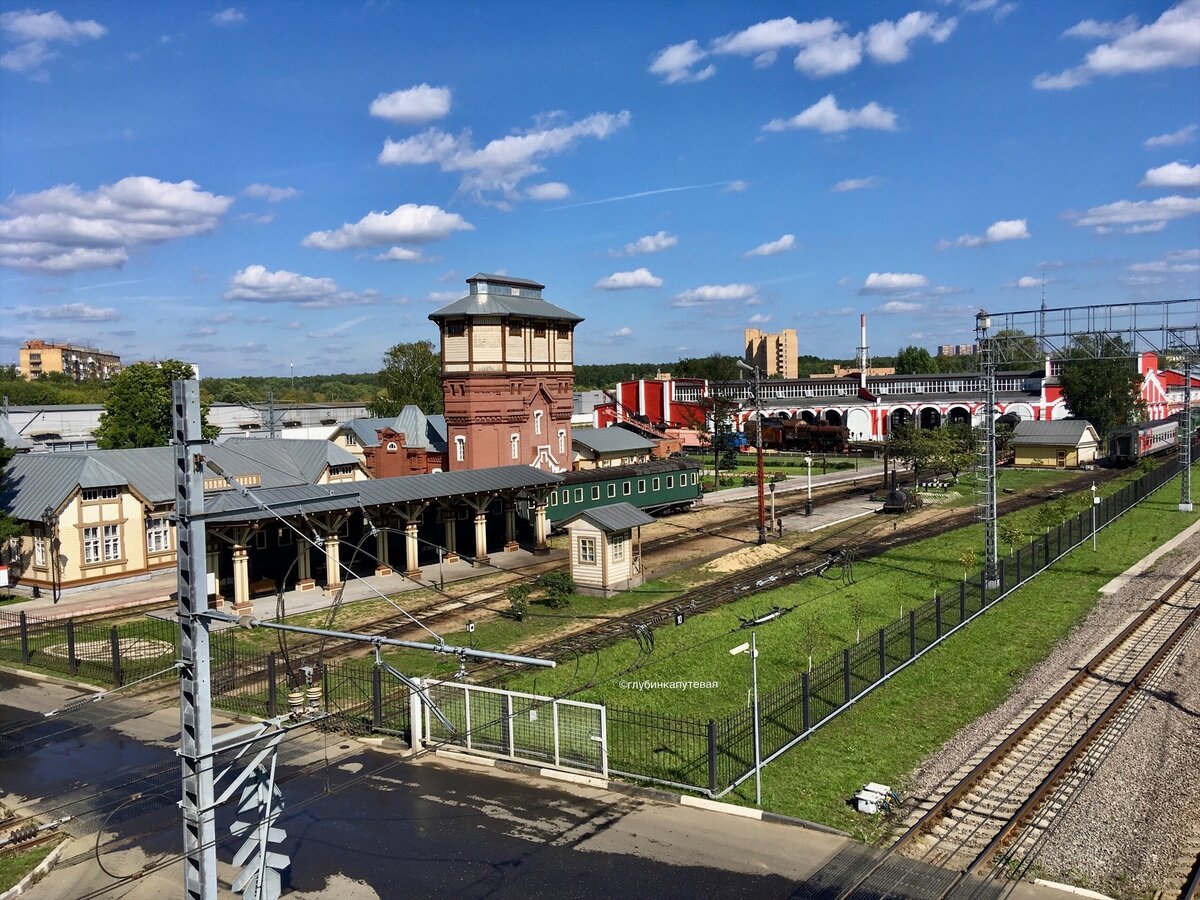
762	500
1095	503
771	488
808	506
52	549
753	648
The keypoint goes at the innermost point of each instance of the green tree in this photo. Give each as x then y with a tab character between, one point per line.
411	373
716	367
9	527
138	410
914	361
1100	382
1014	349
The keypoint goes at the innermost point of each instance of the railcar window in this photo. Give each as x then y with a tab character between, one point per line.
612	490
625	488
641	485
654	483
596	492
670	482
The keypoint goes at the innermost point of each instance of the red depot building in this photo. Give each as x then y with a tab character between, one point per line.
508	372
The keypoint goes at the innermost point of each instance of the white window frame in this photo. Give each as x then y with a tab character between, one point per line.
670	482
595	492
158	534
91	545
562	440
537	422
460	448
39	550
112	543
612	489
514	441
587	551
616	548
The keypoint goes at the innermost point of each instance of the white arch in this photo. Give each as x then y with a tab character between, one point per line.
858	420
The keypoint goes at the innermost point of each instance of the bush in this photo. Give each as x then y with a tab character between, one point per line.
559	588
518	599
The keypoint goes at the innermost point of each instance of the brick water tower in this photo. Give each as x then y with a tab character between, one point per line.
508	372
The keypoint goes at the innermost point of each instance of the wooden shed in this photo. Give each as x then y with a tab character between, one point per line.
1066	444
606	548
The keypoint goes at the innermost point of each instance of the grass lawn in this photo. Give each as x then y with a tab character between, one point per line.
888	733
15	866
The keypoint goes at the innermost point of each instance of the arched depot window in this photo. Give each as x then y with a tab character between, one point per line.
515	440
562	441
537	422
391	447
460	448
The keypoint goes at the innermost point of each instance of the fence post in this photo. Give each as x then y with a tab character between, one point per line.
272	696
806	712
114	640
24	638
509	739
1046	549
846	673
937	604
712	756
376	697
72	662
1058	543
325	683
1019	579
982	588
1003	576
882	653
912	634
962	601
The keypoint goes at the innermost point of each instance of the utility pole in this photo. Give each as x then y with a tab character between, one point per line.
271	411
195	688
987	364
1186	428
758	426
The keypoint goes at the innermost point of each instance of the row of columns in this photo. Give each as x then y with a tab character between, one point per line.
240	538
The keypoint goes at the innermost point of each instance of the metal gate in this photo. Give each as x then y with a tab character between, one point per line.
565	734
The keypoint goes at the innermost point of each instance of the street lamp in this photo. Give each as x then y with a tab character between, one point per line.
762	500
1095	503
808	505
753	648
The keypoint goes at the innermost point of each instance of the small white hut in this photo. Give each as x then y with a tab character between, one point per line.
606	548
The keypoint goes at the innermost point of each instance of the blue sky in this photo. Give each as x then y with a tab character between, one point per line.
254	186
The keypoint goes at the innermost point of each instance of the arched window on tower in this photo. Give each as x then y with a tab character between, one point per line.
562	440
460	448
515	440
537	422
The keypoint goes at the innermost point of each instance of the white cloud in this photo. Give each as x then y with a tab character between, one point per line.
263	219
888	42
1193	253
1143	216
270	193
676	64
827	117
1004	230
338	329
406	224
892	282
1092	30
995	7
622	332
401	254
1171	41
714	293
760	318
443	297
1174	138
832	56
413	105
773	248
765	39
897	307
34	32
857	184
624	281
255	284
650	243
1175	261
1173	175
71	312
1026	281
502	164
229	16
735	187
549	190
64	230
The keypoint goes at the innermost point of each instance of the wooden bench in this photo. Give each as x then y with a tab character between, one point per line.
262	586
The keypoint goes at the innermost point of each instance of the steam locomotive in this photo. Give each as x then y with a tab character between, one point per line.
796	434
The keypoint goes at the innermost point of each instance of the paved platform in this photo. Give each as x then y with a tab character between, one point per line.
870	469
160	589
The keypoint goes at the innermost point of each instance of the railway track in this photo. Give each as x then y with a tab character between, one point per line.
991	820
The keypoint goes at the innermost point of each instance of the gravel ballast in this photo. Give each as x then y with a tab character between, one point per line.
1131	824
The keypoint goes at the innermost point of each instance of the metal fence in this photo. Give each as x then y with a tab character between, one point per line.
715	755
563	733
97	652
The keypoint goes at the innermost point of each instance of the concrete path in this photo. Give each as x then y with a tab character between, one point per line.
866	471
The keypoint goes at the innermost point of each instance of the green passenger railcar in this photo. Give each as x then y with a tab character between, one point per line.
656	486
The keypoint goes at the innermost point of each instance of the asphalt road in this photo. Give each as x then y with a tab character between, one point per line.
362	823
